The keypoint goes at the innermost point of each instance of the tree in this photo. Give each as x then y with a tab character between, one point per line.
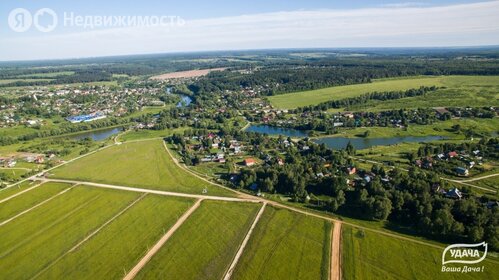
350	148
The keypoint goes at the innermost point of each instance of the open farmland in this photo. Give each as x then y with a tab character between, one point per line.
144	164
120	245
203	247
186	74
29	199
369	255
286	245
460	88
34	241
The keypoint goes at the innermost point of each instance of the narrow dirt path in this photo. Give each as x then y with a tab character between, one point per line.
335	270
239	253
19	193
36	206
161	242
479	178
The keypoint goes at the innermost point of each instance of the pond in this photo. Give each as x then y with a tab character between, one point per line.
185	100
272	130
338	143
97	135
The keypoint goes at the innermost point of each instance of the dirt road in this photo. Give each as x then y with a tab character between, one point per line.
335	270
161	242
239	253
140	190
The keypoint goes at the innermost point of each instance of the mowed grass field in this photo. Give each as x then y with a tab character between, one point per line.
460	89
368	255
36	240
204	246
286	245
144	164
119	246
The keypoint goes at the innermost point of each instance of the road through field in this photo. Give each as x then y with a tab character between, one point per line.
239	253
161	242
335	271
140	190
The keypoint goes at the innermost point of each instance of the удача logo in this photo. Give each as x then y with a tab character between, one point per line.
464	254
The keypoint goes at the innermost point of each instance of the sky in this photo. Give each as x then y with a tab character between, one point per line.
202	25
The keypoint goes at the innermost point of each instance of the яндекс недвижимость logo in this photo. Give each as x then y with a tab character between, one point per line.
466	254
21	20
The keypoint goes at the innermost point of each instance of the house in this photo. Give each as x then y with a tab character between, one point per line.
461	171
351	170
451	154
222	160
280	161
249	162
39	160
441	110
454	193
349	115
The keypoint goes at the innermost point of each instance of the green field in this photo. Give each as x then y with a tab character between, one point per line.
144	164
37	239
120	245
368	255
286	245
459	91
204	246
441	128
6	192
29	199
12	174
9	81
147	134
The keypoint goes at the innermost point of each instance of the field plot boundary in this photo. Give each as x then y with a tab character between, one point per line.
19	193
140	190
36	206
161	242
239	253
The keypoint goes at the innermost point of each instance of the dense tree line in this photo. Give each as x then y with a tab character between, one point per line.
363	99
406	199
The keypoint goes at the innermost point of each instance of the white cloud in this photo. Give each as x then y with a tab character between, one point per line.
455	25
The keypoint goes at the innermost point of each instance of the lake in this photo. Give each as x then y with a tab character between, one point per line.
272	130
98	135
338	143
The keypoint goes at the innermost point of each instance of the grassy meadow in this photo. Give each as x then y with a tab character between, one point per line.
369	255
456	91
144	164
286	245
204	246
